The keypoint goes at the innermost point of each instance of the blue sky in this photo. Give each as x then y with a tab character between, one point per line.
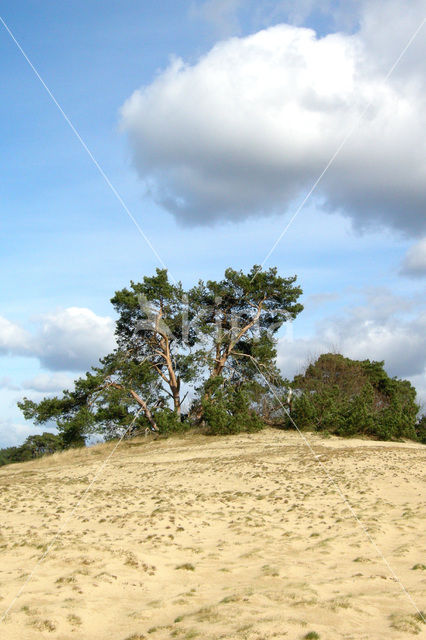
239	109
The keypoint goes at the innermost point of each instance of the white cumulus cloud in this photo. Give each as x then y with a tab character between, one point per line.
13	433
248	128
74	339
71	339
13	339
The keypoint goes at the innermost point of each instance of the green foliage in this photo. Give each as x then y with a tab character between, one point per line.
34	447
219	340
7	455
167	337
351	397
241	315
155	324
169	422
227	409
249	309
421	429
70	412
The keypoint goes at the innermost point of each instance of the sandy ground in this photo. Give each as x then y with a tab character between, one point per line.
240	537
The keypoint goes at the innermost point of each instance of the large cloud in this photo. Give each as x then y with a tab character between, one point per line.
71	339
13	339
74	339
247	129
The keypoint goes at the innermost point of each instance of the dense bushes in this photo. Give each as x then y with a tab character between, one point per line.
168	422
421	429
34	447
227	409
349	397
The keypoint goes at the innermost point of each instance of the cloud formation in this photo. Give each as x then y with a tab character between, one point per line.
71	339
414	264
74	339
7	383
13	433
48	383
13	339
247	129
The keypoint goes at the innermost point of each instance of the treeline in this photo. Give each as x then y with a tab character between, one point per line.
214	346
34	447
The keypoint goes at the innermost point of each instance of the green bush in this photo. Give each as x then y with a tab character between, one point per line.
351	397
228	409
169	422
421	429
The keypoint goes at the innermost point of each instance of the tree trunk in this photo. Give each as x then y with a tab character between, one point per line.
141	402
173	380
145	408
176	399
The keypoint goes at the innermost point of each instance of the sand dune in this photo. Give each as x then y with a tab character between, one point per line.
239	537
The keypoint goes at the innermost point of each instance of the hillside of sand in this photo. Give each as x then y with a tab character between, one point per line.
244	537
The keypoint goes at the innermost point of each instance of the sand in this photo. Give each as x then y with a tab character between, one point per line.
240	537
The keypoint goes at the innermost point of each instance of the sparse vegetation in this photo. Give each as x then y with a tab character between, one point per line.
179	511
74	620
187	566
409	623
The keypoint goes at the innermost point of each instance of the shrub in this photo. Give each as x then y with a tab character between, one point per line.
169	422
421	429
228	410
351	397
